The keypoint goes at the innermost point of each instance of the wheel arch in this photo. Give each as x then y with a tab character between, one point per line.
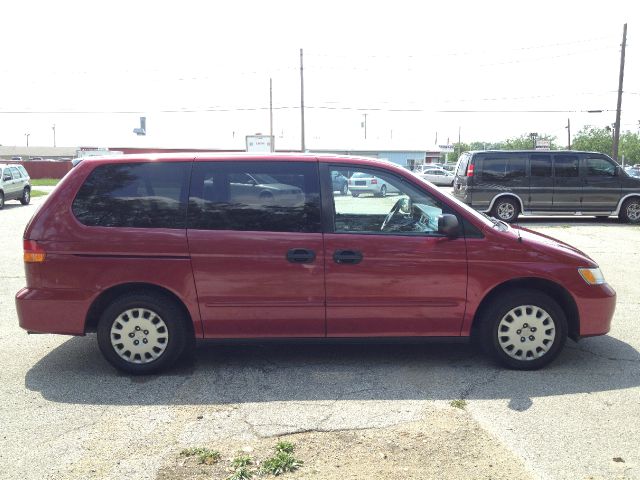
506	194
624	199
109	295
556	291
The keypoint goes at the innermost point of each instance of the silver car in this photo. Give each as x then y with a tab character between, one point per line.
361	182
437	176
15	184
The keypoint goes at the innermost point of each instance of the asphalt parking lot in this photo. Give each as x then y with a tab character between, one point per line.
67	414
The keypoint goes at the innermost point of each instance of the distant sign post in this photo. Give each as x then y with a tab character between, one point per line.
259	143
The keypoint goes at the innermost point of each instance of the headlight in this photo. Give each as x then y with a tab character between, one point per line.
593	276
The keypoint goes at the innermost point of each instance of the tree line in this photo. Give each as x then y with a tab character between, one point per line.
589	138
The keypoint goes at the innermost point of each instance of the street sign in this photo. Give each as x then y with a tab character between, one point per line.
259	143
446	148
543	145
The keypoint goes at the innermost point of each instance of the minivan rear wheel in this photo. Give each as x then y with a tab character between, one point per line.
142	332
506	209
630	211
523	329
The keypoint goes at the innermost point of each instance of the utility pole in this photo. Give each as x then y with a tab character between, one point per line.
616	137
459	144
568	127
302	100
364	124
54	135
271	115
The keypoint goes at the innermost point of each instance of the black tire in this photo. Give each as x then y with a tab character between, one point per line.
510	349
26	196
383	191
630	210
172	326
1	200
506	209
345	189
353	194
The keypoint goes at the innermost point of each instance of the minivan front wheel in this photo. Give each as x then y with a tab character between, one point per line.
523	329
506	209
142	332
630	211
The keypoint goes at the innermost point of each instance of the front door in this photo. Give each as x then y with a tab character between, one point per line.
602	184
257	248
567	186
388	271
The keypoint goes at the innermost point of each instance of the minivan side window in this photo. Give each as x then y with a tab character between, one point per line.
138	195
15	172
401	210
540	165
567	166
600	167
503	168
255	196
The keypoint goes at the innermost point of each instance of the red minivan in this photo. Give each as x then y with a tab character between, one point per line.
153	252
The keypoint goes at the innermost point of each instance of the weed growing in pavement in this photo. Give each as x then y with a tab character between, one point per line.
286	447
241	468
458	404
206	456
283	461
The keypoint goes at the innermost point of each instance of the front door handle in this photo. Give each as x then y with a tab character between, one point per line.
347	256
301	255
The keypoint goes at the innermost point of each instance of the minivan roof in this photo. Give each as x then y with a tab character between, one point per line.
213	156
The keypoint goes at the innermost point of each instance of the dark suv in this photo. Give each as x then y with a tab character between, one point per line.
508	183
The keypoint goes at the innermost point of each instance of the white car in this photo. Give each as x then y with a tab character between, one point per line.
361	182
437	176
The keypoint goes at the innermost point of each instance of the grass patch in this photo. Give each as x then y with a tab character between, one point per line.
38	193
282	462
44	182
205	456
461	404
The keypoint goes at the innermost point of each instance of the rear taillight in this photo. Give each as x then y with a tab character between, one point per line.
33	253
470	170
374	181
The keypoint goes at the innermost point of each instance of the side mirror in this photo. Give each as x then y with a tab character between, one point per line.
448	225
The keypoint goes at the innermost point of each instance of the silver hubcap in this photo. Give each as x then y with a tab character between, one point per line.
526	332
139	335
506	211
26	195
633	212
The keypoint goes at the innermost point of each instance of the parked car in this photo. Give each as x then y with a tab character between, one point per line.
16	159
340	183
509	183
362	182
437	176
15	184
153	254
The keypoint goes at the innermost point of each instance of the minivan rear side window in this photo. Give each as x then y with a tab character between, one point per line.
567	166
503	167
540	165
139	195
255	196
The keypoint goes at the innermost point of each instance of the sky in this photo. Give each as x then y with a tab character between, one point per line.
199	71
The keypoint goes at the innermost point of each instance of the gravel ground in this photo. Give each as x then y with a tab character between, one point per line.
67	414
